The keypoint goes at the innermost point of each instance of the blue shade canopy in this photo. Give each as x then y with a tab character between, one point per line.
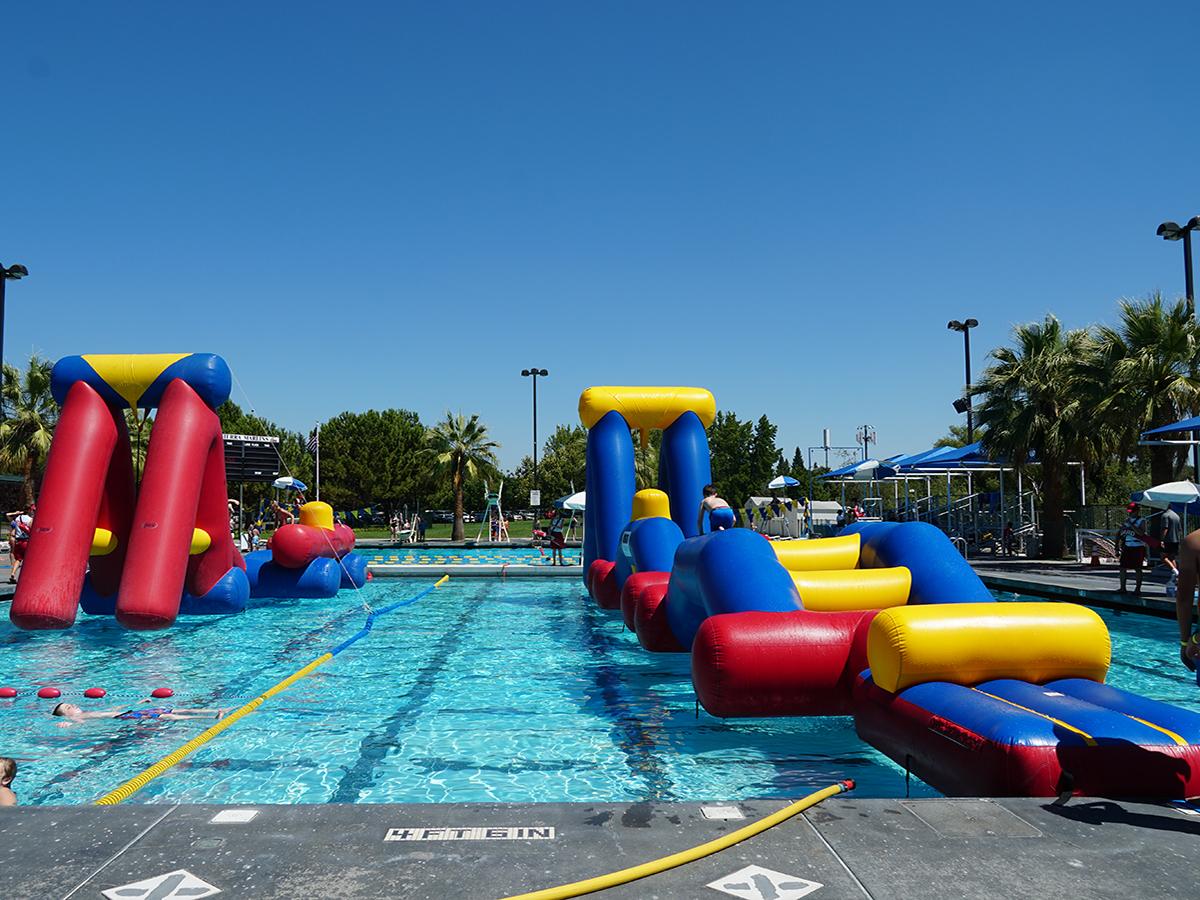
1192	424
864	470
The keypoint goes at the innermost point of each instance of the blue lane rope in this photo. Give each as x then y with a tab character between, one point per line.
376	613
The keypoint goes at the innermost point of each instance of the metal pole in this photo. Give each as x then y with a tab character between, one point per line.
1187	271
1189	293
241	506
3	281
970	415
318	460
535	442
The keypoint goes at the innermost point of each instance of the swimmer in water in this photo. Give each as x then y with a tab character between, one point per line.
76	714
720	516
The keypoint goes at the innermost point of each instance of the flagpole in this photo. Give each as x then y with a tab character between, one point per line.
318	460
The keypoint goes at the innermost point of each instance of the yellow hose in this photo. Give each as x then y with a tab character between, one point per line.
624	876
137	782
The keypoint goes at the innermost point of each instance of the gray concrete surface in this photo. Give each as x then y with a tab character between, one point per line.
1077	582
852	848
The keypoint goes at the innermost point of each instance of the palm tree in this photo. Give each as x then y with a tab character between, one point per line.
30	415
1037	401
1148	367
461	447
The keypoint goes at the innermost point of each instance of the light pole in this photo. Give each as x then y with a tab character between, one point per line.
1170	231
964	404
534	373
7	273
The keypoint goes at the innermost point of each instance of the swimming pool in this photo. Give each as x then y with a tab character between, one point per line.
487	690
478	556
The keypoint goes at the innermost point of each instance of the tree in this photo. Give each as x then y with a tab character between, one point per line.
730	441
1035	401
30	415
373	457
956	436
294	459
461	448
1147	373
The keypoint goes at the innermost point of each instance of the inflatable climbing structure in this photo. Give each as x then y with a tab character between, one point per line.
144	553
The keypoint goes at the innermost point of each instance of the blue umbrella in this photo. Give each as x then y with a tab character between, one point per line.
782	481
288	483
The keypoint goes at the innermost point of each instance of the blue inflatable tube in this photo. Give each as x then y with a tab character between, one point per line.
610	486
228	595
939	572
723	572
319	580
354	570
646	545
688	469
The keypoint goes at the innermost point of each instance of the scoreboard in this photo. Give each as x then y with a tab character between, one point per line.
251	457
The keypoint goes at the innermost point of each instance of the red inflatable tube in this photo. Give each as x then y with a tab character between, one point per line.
595	572
650	621
635	584
799	663
183	486
295	546
960	763
604	586
88	481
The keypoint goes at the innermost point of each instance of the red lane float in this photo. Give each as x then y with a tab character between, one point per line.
49	693
94	693
7	693
798	663
162	693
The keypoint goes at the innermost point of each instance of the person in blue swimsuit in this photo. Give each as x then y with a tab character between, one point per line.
720	516
76	714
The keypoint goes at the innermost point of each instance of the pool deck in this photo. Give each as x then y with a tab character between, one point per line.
1077	582
850	848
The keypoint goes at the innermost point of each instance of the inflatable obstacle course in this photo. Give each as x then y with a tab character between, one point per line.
885	622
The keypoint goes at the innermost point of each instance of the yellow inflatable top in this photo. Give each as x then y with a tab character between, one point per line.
646	407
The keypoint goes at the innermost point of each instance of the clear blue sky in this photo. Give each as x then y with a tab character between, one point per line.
394	204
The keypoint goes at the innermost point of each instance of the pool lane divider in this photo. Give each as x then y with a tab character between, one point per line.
139	781
655	866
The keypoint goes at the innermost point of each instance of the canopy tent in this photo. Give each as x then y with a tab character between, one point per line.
864	470
1180	427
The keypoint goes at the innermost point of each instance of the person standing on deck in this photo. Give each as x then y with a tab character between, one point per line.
1131	546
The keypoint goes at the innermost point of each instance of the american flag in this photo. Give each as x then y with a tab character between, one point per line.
314	441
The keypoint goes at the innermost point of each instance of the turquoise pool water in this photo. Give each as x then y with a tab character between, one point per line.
483	556
483	691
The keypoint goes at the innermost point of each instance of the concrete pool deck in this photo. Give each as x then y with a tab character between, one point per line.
1077	582
848	847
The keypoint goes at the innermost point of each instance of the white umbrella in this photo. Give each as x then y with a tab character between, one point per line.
1164	495
578	500
779	482
288	483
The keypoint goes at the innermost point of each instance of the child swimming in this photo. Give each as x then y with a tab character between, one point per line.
76	714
